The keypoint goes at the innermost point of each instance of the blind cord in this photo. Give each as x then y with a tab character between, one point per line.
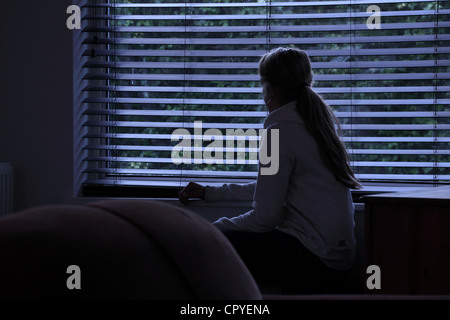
114	98
435	100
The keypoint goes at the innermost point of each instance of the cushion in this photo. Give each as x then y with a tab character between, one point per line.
125	249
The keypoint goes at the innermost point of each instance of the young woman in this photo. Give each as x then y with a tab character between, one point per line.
299	236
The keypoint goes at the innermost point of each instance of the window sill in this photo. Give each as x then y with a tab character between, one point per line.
170	194
193	204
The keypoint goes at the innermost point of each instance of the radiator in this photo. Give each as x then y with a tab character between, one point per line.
6	188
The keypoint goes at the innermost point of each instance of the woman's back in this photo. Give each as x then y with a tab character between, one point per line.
318	208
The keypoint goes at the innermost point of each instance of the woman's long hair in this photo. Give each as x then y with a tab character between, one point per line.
288	71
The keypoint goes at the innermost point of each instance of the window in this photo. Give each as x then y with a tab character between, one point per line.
148	68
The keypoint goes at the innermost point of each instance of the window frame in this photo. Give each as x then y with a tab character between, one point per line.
161	191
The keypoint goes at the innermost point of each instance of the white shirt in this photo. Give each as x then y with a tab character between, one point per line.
302	199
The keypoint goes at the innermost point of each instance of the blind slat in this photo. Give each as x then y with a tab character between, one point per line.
144	136
191	161
261	114
248	65
255	78
391	127
260	102
212	17
258	90
244	149
259	53
275	28
248	4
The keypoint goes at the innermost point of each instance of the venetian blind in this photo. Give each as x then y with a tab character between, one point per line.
155	68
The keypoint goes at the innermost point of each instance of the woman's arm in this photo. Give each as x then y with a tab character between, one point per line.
231	192
270	194
226	192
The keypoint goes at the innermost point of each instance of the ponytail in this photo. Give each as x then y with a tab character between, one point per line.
321	122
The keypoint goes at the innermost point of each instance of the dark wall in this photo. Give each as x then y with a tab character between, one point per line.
36	100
